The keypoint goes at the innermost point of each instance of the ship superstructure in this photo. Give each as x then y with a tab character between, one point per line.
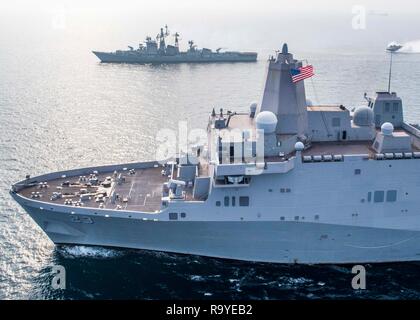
157	51
287	182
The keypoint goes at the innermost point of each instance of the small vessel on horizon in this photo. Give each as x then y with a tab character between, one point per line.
393	47
157	51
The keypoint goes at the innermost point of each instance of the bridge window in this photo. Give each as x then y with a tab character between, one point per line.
357	171
244	201
391	195
387	107
369	196
379	196
218	203
173	216
233	201
395	107
226	202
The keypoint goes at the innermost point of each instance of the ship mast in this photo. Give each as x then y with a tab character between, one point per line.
161	37
176	35
390	73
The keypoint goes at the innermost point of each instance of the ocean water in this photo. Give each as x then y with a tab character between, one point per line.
60	109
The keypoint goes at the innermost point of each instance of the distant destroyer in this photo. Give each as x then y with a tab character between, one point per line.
287	182
151	52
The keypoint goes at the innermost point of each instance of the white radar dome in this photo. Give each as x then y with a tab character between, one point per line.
299	146
363	116
387	129
267	121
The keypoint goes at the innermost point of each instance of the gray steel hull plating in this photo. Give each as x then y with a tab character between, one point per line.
181	58
264	241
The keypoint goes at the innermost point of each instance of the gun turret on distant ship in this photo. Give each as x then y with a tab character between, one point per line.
151	52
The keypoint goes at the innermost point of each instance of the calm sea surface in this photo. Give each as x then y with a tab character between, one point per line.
61	109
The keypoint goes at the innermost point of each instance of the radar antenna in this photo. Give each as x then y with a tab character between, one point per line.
191	44
177	38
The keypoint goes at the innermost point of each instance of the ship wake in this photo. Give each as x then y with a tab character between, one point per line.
411	47
73	252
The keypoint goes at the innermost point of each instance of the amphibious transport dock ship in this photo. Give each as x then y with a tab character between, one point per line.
151	52
287	182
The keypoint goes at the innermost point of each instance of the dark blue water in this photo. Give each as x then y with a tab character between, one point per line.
61	109
95	273
126	274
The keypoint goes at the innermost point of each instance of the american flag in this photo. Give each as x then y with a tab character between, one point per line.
302	73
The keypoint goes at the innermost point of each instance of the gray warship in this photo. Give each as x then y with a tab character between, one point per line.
151	52
288	182
394	47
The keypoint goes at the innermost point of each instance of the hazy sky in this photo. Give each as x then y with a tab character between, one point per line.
225	6
246	24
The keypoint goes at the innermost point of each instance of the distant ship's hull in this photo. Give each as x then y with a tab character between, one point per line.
264	241
180	58
394	48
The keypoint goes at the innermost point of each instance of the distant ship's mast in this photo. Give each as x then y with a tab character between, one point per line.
176	35
192	45
161	38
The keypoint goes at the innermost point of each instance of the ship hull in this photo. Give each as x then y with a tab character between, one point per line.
262	241
182	58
